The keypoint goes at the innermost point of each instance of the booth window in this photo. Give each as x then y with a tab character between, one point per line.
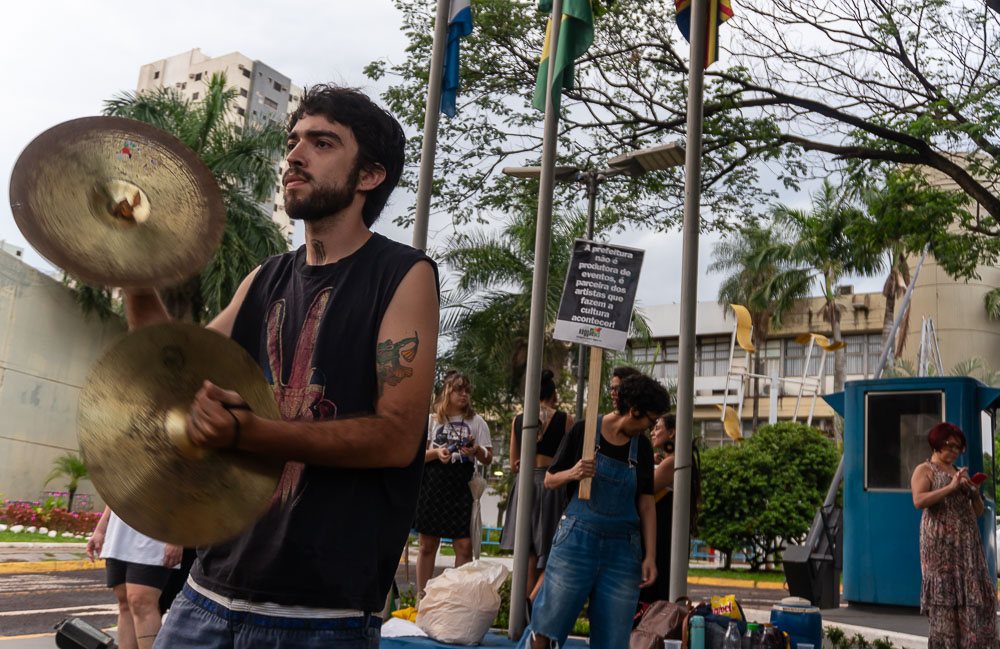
896	426
988	426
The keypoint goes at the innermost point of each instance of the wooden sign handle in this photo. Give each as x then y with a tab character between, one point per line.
593	402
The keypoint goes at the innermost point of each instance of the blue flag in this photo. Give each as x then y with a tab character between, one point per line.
459	25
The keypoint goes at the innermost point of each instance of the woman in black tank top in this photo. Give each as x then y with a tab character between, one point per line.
548	504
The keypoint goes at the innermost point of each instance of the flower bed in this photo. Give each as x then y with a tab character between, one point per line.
38	515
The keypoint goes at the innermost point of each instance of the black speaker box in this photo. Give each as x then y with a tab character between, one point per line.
74	633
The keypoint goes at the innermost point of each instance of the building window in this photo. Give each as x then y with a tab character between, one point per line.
240	111
277	87
713	356
855	352
156	75
197	77
194	97
243	92
246	73
270	103
713	435
874	352
770	356
795	357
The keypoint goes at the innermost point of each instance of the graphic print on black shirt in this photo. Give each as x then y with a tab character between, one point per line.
302	396
335	539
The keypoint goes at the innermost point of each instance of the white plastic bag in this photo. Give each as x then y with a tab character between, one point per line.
461	603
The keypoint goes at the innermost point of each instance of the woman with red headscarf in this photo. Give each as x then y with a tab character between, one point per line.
956	593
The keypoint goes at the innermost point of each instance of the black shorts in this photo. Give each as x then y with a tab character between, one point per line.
126	572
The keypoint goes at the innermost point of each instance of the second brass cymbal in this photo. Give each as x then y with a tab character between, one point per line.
117	202
131	433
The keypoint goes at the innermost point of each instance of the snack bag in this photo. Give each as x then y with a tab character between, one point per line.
726	606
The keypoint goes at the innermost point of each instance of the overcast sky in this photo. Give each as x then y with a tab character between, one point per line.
61	59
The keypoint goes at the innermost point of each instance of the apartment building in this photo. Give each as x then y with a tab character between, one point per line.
265	94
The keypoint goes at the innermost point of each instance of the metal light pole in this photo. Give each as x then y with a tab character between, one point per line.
680	545
631	164
431	115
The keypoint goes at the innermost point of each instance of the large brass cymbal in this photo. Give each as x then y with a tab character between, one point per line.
132	406
116	202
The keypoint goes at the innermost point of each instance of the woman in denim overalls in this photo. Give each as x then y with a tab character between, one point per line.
596	551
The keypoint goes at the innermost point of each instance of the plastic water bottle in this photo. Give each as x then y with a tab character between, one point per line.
772	638
697	632
732	639
750	639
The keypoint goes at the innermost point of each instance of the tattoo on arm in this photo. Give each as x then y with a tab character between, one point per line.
388	360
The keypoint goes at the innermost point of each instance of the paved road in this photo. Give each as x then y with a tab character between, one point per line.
34	603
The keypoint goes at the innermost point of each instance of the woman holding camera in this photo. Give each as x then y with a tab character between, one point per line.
456	438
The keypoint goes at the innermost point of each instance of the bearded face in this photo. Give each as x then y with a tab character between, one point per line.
313	200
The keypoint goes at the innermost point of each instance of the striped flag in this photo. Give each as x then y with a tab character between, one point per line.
719	11
459	25
576	33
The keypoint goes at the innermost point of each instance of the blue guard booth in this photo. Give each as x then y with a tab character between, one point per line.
885	437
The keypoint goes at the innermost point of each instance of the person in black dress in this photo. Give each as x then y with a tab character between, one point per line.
456	438
548	505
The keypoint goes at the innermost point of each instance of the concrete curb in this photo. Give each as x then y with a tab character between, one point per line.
736	583
33	545
23	567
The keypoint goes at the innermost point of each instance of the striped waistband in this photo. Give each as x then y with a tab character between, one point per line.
261	616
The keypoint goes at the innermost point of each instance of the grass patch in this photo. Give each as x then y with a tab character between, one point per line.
23	537
736	573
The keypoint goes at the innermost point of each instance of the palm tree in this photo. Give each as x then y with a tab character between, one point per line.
487	313
243	158
826	248
69	466
763	280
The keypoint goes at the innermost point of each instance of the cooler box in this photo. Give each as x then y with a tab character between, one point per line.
800	620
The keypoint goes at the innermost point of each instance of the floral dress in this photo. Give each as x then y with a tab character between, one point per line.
956	592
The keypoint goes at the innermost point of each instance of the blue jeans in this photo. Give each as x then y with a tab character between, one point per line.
586	561
197	622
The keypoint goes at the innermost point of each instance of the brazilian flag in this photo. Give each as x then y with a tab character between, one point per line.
576	33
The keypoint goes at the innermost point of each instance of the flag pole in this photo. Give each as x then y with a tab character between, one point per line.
536	326
431	114
680	541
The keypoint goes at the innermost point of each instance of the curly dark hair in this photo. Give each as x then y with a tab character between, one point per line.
624	371
644	394
380	137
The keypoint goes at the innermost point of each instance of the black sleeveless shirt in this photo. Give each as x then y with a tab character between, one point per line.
553	434
333	536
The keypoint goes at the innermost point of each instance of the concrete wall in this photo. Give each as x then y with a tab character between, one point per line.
956	306
963	330
46	349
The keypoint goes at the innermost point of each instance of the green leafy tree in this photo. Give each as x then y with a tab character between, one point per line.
805	86
826	248
243	159
763	492
71	467
761	278
486	314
